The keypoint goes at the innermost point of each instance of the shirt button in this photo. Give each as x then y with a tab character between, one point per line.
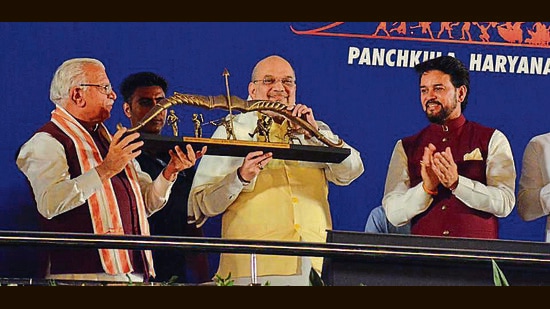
443	207
444	139
446	232
294	200
297	227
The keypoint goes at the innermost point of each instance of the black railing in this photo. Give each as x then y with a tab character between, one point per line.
340	250
345	253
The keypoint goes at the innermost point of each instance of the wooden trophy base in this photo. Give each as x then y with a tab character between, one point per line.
236	148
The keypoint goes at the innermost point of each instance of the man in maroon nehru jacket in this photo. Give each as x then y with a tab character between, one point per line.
85	180
455	177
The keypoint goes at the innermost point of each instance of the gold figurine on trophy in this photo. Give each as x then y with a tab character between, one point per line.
197	123
227	123
173	120
263	125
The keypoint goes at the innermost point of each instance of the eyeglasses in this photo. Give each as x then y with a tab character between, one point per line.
105	89
270	80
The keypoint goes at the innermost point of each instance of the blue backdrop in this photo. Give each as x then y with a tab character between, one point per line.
358	78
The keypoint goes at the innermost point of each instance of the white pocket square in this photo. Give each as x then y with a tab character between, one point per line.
474	155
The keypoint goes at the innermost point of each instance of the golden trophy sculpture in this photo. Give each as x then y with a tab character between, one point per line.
331	152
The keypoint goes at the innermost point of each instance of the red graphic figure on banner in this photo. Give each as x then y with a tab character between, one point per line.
511	32
426	28
539	35
485	36
466	31
382	26
401	29
445	25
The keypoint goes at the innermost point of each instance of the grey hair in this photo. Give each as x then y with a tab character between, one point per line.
69	74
